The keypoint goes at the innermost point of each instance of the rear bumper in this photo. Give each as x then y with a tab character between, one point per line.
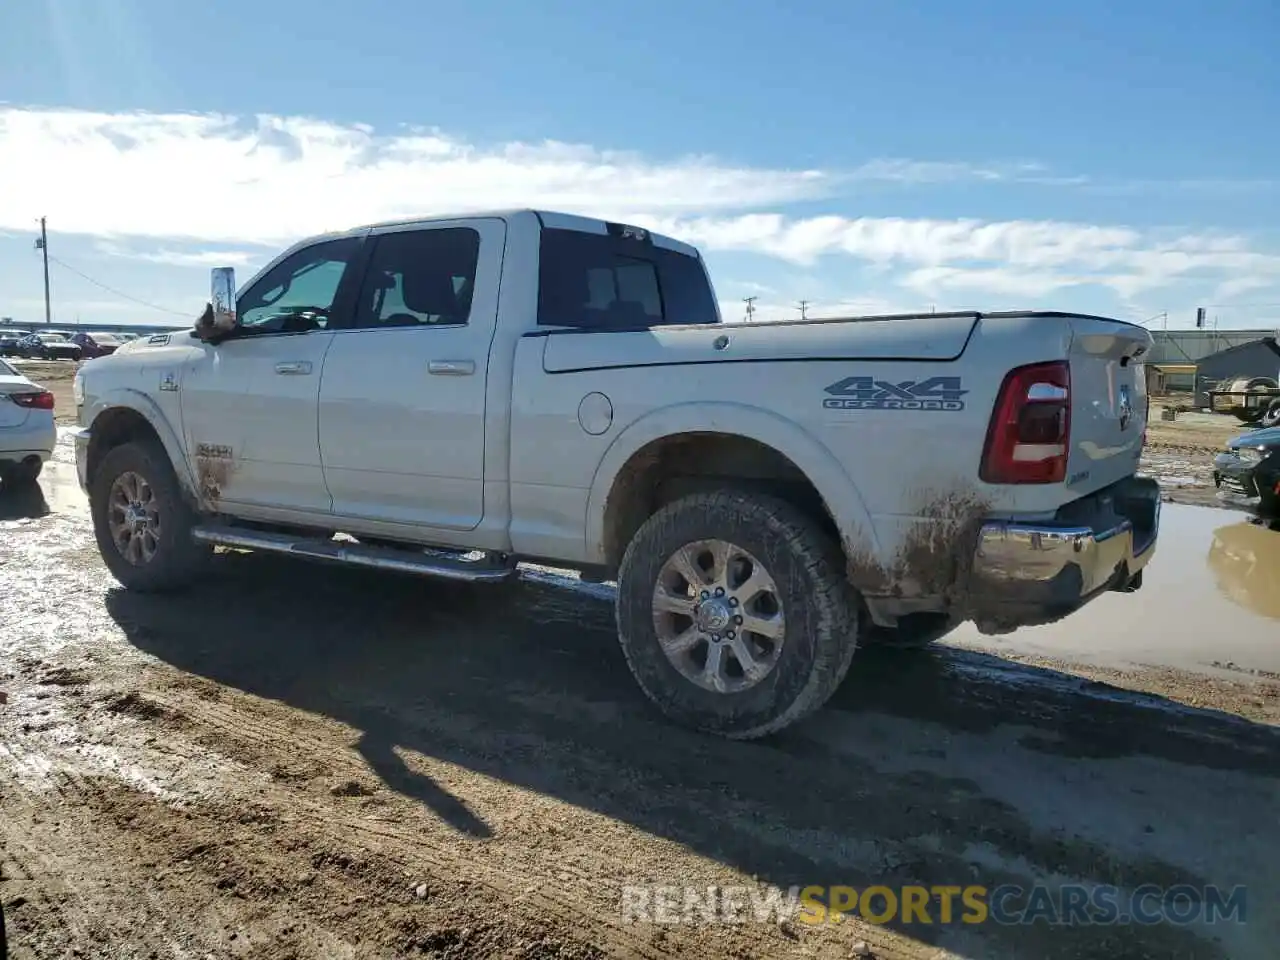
35	438
1031	573
1248	485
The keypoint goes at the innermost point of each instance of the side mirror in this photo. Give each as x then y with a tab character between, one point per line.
223	298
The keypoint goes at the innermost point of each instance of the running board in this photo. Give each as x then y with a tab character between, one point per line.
443	564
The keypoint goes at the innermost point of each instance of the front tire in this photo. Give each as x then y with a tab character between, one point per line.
734	614
142	522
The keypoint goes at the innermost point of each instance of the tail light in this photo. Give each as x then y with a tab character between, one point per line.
1030	432
33	401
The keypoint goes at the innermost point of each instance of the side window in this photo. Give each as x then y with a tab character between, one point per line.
298	293
419	278
600	282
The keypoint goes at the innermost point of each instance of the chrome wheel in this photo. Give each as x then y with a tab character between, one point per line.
133	518
718	616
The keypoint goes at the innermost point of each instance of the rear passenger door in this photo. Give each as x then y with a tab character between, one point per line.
402	399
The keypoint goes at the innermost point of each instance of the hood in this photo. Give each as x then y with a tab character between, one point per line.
1267	437
152	342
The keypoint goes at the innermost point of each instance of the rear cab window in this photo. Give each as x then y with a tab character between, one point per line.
596	281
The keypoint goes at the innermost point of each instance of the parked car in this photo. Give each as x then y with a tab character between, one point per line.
49	346
96	344
536	386
9	340
1247	472
27	431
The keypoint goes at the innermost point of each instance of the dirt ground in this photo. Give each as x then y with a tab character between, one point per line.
296	761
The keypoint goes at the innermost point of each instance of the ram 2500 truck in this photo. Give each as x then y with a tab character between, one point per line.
455	395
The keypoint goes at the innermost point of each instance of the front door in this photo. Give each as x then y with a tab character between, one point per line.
402	403
249	403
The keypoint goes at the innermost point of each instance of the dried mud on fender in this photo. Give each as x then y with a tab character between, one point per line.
934	556
214	469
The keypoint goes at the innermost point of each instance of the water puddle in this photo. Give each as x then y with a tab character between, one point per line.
1210	602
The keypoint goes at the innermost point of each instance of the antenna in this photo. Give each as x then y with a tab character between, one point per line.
751	306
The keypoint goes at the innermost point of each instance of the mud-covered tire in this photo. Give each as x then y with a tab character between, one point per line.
821	612
178	559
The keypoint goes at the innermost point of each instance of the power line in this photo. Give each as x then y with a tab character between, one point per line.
118	293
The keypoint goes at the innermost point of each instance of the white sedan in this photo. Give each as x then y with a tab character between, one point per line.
27	433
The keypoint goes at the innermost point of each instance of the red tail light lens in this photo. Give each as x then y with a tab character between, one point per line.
1030	432
33	401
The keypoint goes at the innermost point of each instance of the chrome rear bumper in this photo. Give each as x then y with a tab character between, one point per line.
1030	573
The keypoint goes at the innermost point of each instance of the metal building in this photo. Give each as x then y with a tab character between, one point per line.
1191	346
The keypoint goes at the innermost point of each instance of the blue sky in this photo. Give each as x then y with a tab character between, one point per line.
1115	158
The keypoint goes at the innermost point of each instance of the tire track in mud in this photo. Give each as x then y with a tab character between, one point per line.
242	723
379	824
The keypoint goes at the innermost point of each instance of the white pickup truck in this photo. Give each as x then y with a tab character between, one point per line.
451	396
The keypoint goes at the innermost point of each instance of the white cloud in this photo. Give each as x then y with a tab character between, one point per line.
1019	257
187	258
215	178
170	189
941	281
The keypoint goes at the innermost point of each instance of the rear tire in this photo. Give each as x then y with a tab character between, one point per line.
761	561
142	522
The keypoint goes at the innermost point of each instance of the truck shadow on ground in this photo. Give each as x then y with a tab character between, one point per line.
934	767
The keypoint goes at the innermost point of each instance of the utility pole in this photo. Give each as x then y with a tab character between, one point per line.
804	309
43	246
751	307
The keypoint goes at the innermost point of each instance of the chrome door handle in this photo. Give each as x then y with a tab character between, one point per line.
452	368
294	367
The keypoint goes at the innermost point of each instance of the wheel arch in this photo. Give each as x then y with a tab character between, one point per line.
620	498
125	416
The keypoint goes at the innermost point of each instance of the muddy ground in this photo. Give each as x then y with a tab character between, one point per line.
296	761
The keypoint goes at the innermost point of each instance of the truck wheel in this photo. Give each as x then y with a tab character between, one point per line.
734	614
141	521
1272	417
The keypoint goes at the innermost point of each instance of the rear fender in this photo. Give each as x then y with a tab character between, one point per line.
842	499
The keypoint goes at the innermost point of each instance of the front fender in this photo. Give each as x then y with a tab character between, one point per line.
139	402
815	461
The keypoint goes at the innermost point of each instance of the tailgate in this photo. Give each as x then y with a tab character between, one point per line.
1108	401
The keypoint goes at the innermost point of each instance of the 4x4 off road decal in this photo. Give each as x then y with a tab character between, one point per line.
868	393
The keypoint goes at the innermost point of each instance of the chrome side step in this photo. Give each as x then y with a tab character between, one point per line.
438	563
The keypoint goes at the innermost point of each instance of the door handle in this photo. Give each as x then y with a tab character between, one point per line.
294	367
452	368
